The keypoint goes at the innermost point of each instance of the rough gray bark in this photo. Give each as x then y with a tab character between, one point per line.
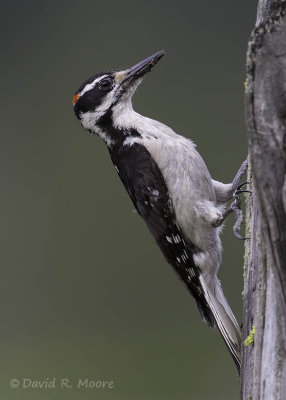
263	373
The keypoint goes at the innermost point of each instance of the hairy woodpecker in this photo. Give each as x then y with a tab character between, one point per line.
170	186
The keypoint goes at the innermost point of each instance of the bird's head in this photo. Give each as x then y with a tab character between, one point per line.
104	90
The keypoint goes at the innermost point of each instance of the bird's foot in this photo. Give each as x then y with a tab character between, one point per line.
236	208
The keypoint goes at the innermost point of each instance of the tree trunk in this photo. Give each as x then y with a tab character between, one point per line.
263	374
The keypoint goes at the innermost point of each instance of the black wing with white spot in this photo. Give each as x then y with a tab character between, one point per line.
147	189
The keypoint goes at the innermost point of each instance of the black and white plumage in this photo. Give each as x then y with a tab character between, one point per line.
169	185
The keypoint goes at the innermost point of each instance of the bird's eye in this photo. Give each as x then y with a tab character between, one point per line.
105	83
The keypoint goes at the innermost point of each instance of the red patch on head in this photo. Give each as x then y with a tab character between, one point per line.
75	98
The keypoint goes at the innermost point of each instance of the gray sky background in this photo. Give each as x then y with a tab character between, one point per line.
85	293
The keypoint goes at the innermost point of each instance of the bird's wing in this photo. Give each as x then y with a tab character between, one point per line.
147	189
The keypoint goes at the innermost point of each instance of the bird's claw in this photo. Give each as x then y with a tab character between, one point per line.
242	184
242	191
239	190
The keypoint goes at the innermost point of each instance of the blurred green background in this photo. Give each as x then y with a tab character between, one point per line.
85	293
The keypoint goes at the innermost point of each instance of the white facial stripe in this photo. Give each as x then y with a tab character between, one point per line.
91	85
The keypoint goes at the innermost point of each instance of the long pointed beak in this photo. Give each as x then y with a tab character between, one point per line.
144	66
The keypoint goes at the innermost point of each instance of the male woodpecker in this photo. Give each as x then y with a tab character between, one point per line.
170	186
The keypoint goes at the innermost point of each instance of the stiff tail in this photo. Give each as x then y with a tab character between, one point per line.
224	318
